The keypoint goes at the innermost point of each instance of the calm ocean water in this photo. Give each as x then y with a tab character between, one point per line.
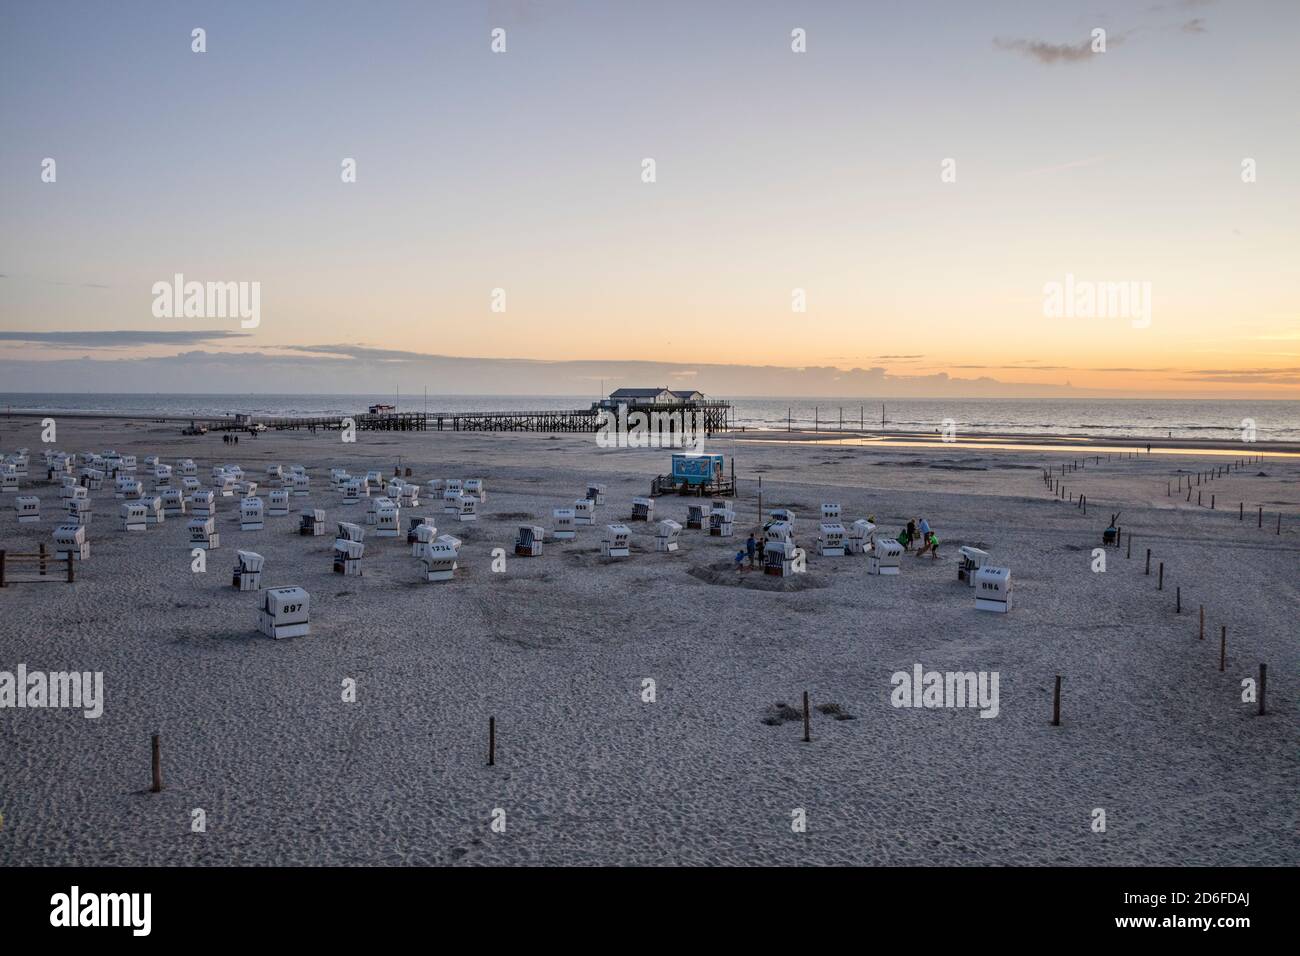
1273	420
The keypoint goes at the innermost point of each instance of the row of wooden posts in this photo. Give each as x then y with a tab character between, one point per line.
156	744
156	741
1058	487
43	559
1096	460
1059	490
1218	472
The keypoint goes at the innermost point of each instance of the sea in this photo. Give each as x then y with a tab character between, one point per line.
1273	420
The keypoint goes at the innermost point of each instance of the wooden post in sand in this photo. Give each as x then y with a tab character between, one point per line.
1223	646
1212	497
1129	553
1202	622
807	735
1178	600
1160	586
1279	522
1147	572
156	745
1261	516
1056	703
1263	686
492	741
1241	511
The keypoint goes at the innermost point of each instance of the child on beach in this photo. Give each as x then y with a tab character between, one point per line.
750	547
931	545
740	560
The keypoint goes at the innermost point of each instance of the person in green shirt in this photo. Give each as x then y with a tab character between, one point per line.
931	545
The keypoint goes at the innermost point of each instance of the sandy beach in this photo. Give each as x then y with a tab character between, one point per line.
557	648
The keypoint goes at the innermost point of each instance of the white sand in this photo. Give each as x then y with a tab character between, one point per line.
255	733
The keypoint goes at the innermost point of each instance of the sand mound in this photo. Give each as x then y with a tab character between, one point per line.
836	711
782	713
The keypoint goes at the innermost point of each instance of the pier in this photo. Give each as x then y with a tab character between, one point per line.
711	416
716	417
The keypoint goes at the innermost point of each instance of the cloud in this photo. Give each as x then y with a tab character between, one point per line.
120	338
1240	371
364	370
1045	52
1244	376
1019	367
1132	370
366	352
359	369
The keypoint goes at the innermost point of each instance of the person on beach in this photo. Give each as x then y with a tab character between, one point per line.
750	547
740	560
762	548
911	535
931	544
925	529
903	539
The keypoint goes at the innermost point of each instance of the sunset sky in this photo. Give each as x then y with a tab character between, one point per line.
775	171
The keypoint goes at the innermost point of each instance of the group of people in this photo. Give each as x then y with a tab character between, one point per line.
754	550
919	530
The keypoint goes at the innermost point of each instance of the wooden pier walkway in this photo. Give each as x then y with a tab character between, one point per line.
714	416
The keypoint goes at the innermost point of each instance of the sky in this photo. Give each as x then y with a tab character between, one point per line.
920	176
